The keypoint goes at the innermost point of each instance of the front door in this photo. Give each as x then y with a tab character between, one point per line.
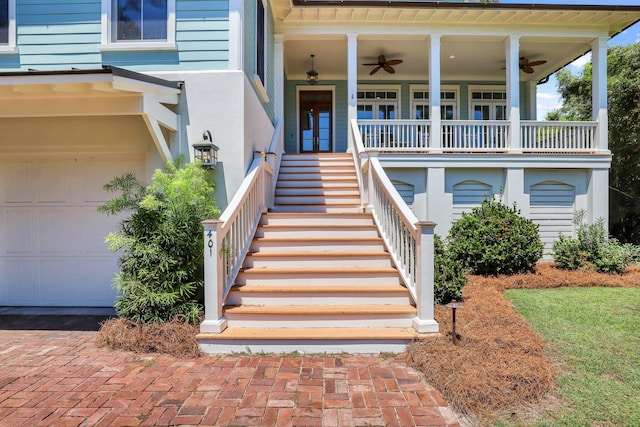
316	121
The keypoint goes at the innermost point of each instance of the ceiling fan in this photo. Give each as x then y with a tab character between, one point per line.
527	66
385	65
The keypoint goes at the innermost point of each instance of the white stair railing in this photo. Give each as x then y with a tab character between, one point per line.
228	239
408	240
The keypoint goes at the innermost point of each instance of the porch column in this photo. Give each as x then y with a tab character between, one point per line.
434	93
512	53
599	90
352	83
598	196
514	190
278	77
438	206
424	322
214	321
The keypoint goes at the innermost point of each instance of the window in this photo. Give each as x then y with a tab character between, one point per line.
138	24
448	104
377	104
489	105
141	19
7	26
260	41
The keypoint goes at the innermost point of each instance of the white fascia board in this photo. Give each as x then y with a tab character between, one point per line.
482	161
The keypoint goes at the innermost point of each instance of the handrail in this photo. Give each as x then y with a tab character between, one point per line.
396	135
359	156
408	240
228	239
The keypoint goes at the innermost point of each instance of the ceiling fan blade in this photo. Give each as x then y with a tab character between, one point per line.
375	70
535	63
527	69
394	62
389	69
372	64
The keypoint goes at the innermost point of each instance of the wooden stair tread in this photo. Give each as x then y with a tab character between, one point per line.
305	310
317	239
277	289
316	270
323	214
347	226
312	334
325	254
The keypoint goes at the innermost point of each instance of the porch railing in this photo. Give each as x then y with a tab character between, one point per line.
408	240
477	136
396	135
474	135
558	136
228	239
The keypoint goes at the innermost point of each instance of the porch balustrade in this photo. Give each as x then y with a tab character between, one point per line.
477	136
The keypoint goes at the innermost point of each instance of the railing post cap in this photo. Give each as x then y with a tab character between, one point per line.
211	222
426	224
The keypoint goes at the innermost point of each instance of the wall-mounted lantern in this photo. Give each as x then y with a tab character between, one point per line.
206	151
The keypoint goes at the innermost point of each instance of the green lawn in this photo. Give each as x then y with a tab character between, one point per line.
594	333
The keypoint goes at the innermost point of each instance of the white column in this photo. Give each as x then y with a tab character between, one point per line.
424	322
512	54
352	83
598	196
599	90
514	190
278	77
438	209
214	321
236	50
434	93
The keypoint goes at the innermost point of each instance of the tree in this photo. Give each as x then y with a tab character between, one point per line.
623	82
161	243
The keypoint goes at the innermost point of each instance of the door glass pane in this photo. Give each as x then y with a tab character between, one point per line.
446	112
324	128
481	112
307	126
365	112
422	112
501	112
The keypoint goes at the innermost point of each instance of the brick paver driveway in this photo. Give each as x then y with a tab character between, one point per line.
60	378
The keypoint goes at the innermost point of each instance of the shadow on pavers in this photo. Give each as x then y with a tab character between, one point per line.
54	318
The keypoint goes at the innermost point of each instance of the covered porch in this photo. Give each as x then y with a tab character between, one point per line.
485	61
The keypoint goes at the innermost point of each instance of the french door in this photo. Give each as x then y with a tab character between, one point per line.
316	121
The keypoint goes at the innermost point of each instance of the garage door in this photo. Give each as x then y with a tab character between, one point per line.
52	250
552	208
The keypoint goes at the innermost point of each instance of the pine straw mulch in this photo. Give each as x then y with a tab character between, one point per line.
175	338
499	363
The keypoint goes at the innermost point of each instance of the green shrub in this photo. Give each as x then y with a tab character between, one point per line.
449	276
161	266
494	239
592	248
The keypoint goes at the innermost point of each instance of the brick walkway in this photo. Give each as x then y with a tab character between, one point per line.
59	378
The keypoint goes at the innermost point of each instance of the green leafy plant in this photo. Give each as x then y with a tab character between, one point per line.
494	239
161	274
449	279
592	248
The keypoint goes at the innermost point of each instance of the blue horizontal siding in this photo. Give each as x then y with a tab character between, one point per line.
60	34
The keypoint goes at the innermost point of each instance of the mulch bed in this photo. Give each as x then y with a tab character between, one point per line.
499	361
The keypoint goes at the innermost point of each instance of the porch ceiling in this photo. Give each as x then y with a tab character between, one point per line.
473	33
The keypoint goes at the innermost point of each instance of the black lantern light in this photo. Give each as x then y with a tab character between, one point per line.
206	151
312	75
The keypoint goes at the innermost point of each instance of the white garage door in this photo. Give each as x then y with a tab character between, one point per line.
52	250
552	208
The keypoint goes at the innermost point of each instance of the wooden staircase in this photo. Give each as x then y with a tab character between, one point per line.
317	278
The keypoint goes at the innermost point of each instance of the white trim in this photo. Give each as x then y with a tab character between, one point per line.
262	91
10	47
108	40
236	34
303	88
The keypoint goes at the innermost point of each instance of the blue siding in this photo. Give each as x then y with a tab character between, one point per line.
66	33
249	54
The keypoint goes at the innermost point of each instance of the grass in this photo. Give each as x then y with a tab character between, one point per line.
593	336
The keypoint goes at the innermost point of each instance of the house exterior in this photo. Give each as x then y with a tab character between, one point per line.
94	89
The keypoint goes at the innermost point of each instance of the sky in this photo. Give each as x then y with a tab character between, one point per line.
548	98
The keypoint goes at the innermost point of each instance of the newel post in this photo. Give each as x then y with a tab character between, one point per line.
214	321
424	321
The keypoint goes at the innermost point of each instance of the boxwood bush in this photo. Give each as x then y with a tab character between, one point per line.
495	239
449	276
